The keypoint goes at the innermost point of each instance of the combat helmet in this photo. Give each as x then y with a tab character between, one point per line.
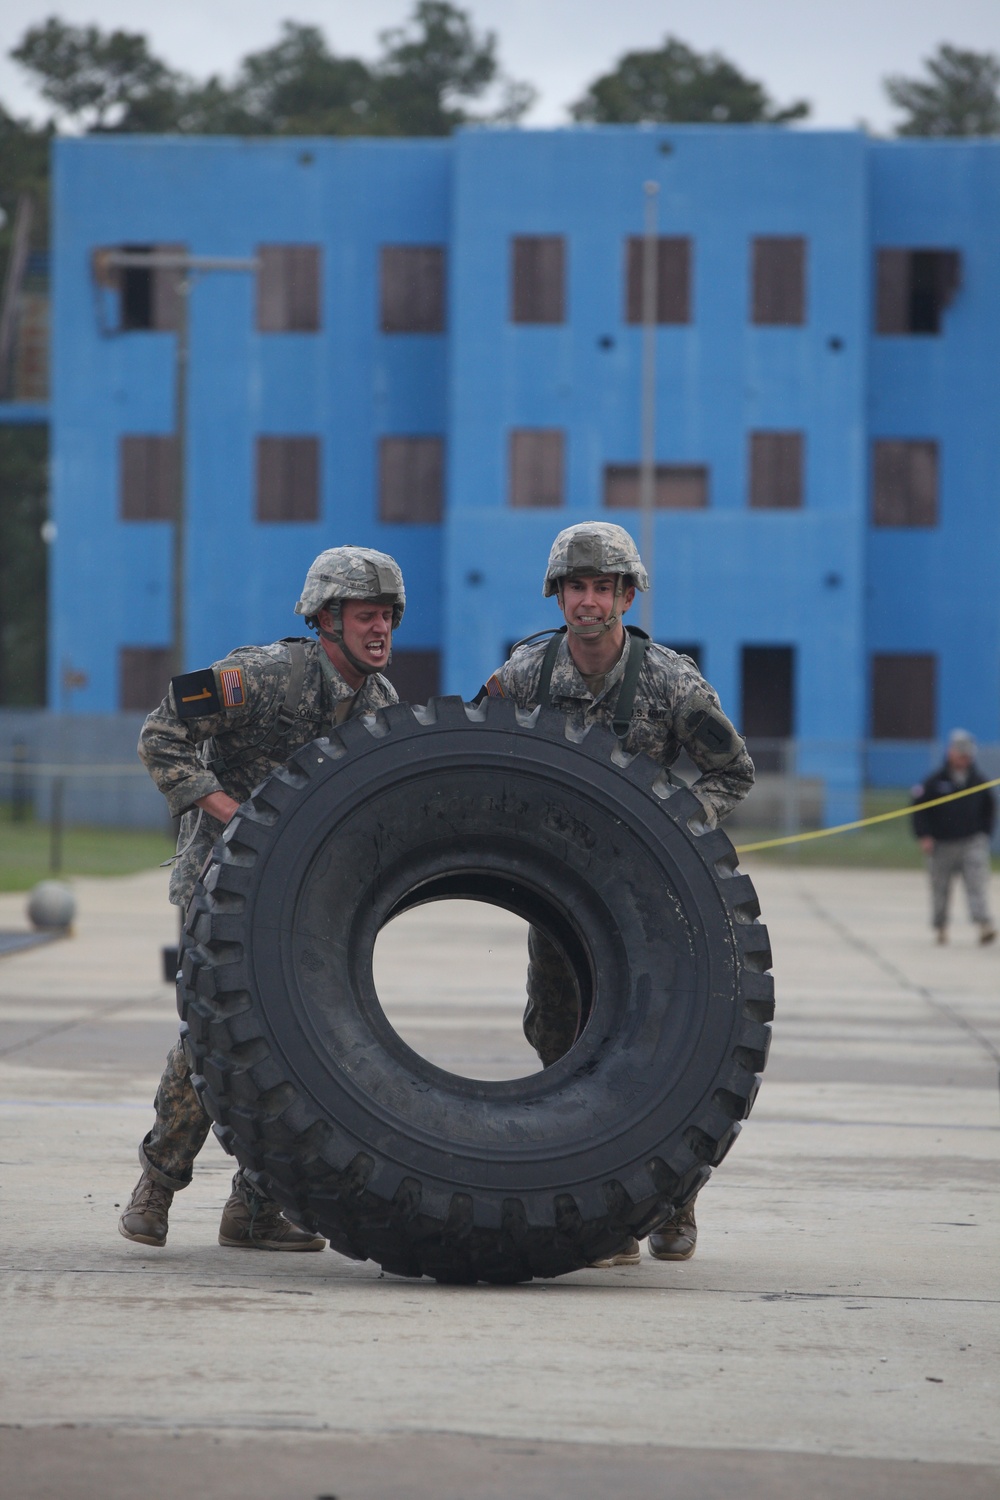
342	573
589	549
593	547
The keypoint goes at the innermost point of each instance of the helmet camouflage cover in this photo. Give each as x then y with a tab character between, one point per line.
593	547
353	573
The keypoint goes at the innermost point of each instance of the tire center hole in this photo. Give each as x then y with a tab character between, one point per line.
450	978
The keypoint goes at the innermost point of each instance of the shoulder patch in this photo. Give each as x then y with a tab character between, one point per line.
196	694
231	683
493	688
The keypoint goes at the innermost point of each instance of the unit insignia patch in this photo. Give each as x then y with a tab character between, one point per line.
196	694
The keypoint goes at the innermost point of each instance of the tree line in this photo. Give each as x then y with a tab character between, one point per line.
429	73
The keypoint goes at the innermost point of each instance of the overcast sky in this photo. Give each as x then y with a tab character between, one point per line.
832	52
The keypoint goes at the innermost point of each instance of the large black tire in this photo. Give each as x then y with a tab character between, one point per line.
391	1157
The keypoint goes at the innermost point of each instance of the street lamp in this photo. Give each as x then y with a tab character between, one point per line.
187	267
647	466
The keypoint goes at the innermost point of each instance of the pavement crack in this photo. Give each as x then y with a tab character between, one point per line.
98	1013
861	945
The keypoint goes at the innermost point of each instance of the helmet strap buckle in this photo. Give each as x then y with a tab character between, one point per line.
594	632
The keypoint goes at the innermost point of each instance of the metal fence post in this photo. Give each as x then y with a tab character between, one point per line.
20	786
56	826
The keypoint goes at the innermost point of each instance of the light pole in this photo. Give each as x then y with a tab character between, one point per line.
187	268
647	466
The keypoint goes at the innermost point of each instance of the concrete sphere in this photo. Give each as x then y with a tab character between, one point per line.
51	905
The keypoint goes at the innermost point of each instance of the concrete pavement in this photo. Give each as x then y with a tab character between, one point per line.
836	1333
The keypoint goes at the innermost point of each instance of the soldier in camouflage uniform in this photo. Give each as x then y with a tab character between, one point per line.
594	570
217	735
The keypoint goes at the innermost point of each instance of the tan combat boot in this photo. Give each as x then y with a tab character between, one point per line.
628	1255
676	1239
252	1222
145	1217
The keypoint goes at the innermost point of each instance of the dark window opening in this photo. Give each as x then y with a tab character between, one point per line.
410	479
24	565
537	461
148	295
538	276
288	288
913	288
147	470
686	648
778	276
287	479
676	487
904	695
416	675
143	676
673	279
412	293
905	482
776	464
768	692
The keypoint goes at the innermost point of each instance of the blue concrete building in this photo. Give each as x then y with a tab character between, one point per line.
438	352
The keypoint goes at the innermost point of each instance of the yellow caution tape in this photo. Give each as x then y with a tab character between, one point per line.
131	769
899	812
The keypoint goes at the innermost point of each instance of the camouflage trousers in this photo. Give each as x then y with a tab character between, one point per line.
181	1127
552	1015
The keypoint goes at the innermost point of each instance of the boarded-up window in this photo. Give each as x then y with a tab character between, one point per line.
147	477
904	694
538	276
913	288
778	277
416	675
288	295
410	479
536	466
287	479
776	470
412	295
905	482
768	696
148	296
143	676
672	277
676	487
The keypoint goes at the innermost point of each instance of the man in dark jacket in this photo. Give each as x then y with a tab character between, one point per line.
956	836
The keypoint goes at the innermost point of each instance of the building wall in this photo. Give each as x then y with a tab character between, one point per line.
726	576
822	579
347	384
934	588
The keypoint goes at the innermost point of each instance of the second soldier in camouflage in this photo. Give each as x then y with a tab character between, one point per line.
587	671
217	734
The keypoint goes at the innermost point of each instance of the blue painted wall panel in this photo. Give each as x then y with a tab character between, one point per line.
822	579
727	576
347	385
934	589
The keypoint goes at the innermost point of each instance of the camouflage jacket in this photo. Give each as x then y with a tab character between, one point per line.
674	709
178	751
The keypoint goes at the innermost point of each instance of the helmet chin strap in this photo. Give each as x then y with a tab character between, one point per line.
367	668
594	632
